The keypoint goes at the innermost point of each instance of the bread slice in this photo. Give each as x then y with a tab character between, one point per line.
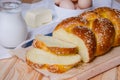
55	46
41	59
82	37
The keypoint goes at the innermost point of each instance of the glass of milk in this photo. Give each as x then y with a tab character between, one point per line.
13	29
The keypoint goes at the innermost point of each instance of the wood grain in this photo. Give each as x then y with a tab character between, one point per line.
108	75
82	72
21	71
15	69
5	66
118	73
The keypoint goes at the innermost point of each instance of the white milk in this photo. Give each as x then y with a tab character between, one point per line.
13	29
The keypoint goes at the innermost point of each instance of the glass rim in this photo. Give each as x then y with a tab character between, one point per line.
10	5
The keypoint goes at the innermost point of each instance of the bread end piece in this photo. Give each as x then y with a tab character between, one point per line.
82	37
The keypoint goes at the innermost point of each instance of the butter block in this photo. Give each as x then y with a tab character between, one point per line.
37	17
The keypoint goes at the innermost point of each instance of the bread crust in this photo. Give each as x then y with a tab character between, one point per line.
117	12
104	32
71	22
89	39
110	14
89	16
55	50
55	68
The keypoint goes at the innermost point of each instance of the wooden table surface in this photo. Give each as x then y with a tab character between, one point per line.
15	69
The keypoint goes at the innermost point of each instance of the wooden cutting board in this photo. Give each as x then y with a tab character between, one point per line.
85	71
15	69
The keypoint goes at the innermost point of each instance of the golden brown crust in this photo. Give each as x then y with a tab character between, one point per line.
89	39
55	50
110	14
71	22
104	33
55	68
89	16
103	30
117	12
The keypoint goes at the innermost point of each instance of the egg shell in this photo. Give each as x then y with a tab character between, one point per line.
83	4
67	4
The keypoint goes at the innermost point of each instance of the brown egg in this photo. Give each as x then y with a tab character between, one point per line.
67	4
83	4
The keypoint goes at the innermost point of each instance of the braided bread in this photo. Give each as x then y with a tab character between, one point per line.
93	33
103	22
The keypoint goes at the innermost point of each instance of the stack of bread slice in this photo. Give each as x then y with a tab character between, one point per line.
53	54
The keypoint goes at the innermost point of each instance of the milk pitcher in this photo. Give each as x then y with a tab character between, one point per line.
13	29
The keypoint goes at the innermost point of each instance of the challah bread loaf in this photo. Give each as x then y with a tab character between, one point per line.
71	30
52	54
113	16
76	39
54	45
103	30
